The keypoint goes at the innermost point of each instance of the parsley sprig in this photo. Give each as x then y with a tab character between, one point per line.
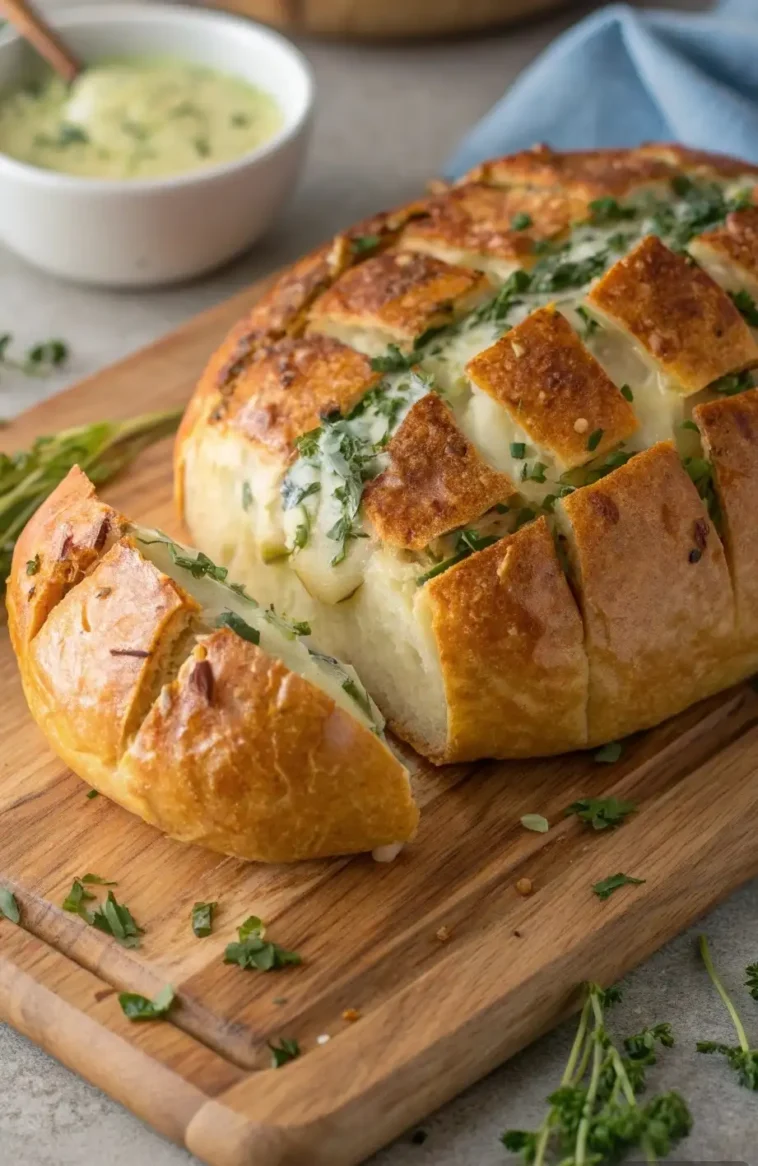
38	360
253	951
101	450
741	1057
601	813
595	1116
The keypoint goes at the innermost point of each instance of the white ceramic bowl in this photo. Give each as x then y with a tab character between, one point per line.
152	231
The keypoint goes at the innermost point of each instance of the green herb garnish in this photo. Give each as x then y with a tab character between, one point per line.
604	211
627	393
137	1007
741	1057
605	888
609	752
9	906
101	450
601	813
736	382
364	243
393	360
202	918
518	450
751	983
247	496
746	306
93	793
595	1117
289	628
254	952
286	1050
116	919
535	822
199	567
594	439
466	543
32	565
236	624
293	494
521	221
590	323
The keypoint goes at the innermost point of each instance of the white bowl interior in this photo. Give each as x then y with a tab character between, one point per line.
223	42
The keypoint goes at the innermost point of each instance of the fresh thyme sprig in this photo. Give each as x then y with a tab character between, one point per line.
741	1057
100	449
594	1115
39	359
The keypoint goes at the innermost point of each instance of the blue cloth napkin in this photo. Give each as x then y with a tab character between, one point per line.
624	76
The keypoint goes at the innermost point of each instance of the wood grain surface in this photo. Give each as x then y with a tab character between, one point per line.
433	1014
372	19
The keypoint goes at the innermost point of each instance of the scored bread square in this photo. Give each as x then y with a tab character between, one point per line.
729	428
586	174
435	480
393	298
511	650
730	253
289	385
682	321
553	387
650	574
491	228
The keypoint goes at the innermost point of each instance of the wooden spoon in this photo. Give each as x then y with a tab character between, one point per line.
42	37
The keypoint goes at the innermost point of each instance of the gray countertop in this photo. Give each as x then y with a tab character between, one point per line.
386	119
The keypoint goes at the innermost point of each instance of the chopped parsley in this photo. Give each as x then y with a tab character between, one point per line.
8	906
289	628
294	494
627	393
287	1050
591	325
361	244
393	360
236	624
198	567
601	813
136	1007
521	221
594	439
605	888
746	306
33	565
518	450
254	952
202	918
609	752
736	382
117	920
607	210
466	543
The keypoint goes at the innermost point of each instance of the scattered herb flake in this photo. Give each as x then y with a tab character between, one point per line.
605	888
609	753
521	221
137	1007
254	952
202	918
286	1050
594	439
93	793
393	360
518	449
361	244
591	325
116	919
9	906
32	565
746	306
627	393
236	624
601	813
535	822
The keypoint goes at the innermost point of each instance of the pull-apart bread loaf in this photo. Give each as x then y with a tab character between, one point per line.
500	449
173	692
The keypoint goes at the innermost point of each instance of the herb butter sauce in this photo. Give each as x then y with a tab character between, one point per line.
136	118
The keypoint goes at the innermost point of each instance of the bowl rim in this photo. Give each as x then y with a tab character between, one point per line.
95	15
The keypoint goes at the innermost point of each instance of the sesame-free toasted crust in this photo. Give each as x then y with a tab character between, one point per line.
654	592
729	428
511	648
553	387
400	294
697	163
290	384
733	247
680	317
435	480
479	220
204	735
586	174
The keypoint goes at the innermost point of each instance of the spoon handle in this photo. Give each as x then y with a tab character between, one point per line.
42	37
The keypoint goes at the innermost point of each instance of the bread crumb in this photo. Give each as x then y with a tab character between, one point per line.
351	1015
443	934
581	425
524	886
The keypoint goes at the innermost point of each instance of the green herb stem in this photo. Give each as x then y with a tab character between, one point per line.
716	981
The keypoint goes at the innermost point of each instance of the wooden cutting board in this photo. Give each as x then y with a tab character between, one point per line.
437	1009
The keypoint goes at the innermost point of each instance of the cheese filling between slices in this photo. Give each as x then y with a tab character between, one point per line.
319	508
286	640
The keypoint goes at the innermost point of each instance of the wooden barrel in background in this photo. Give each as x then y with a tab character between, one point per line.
369	19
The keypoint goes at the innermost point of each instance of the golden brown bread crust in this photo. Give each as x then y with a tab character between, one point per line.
400	293
480	219
734	246
236	752
288	385
271	769
586	174
654	591
730	440
511	649
683	320
554	388
661	313
435	480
